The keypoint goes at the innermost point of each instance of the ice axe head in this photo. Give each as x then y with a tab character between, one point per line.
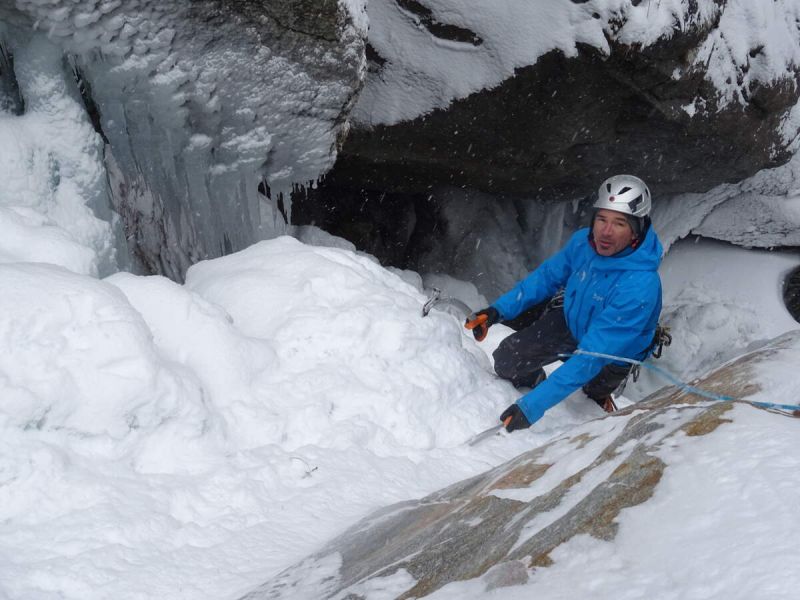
426	308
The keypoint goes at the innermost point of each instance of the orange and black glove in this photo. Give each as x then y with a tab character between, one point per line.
513	418
480	322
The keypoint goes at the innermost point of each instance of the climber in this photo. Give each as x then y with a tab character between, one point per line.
611	304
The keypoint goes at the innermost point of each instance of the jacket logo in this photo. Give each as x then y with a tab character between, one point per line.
597	298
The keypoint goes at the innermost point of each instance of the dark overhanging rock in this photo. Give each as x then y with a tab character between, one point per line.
424	18
599	115
317	18
791	293
395	227
11	99
553	131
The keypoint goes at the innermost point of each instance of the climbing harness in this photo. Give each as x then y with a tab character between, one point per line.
662	339
793	408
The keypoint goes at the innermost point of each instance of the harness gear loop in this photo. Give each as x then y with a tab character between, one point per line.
661	339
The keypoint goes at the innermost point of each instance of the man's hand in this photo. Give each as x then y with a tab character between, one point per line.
480	322
513	418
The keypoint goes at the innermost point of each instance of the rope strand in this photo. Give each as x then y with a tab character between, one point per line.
684	386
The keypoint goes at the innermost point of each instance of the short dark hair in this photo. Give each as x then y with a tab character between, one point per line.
636	223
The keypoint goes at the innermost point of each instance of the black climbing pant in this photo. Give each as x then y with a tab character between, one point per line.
521	356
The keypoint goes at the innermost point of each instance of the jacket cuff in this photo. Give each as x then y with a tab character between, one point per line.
530	408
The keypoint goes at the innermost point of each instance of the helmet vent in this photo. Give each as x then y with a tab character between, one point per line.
634	204
623	190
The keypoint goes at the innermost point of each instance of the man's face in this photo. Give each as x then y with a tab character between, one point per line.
612	232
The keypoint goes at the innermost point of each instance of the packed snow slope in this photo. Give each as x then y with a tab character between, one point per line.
190	441
169	441
676	497
720	301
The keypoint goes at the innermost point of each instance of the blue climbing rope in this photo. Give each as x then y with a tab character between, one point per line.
684	386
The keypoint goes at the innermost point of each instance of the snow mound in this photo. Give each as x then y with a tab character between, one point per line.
169	441
363	366
77	358
173	441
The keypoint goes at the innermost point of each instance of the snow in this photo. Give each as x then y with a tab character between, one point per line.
721	524
199	105
160	440
762	222
172	441
153	435
753	43
761	211
357	11
53	197
719	301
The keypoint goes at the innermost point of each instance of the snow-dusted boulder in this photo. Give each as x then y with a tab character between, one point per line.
205	107
762	211
760	222
544	98
480	114
791	293
638	501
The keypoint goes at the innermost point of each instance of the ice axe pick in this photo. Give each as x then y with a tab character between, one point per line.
479	437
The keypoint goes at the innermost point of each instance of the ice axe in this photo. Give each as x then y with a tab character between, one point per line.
437	299
479	437
473	321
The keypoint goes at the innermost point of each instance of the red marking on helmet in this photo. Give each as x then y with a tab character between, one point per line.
611	198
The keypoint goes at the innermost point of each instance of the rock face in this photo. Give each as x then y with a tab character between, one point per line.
206	108
626	103
600	114
760	212
500	525
791	293
687	107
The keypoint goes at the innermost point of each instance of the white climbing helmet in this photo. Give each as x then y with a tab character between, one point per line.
626	194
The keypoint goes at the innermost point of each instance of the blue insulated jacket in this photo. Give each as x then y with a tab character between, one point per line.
611	305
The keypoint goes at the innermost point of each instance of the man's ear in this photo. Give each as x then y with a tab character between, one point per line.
635	243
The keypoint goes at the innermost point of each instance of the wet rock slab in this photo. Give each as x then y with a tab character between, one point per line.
499	525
